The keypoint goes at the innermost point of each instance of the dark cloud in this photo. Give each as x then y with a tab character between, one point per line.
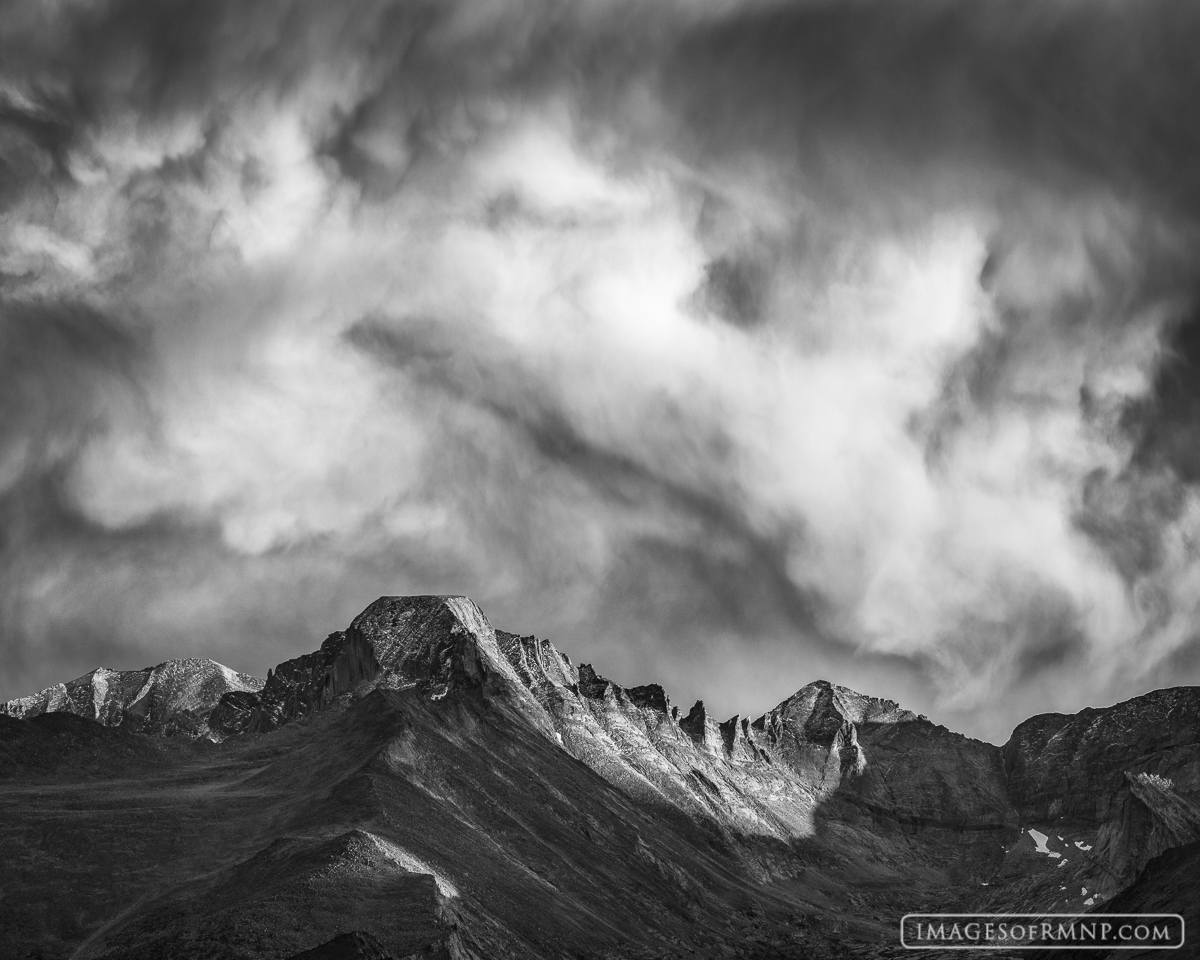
34	138
60	365
1127	515
736	289
1076	96
1129	512
1165	424
1053	638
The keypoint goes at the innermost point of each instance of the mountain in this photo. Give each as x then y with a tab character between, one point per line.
1126	772
175	697
425	785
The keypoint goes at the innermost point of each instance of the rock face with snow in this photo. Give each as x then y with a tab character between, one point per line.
173	698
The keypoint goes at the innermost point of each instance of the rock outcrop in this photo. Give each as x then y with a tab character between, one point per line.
173	698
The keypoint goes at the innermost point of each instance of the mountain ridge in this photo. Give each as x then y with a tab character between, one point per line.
342	642
420	716
175	697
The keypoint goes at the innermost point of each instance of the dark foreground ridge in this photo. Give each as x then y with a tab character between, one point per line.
424	785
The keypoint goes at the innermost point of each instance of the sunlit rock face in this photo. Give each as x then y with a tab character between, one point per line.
768	776
637	739
176	697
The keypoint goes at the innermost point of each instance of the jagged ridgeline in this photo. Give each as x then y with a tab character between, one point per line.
174	698
475	793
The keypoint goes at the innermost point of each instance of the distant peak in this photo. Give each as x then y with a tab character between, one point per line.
824	697
174	696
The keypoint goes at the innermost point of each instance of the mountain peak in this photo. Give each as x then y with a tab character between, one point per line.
175	696
435	644
824	697
443	641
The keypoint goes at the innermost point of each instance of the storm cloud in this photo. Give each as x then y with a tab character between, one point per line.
730	345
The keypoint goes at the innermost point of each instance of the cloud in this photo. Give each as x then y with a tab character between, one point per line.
731	346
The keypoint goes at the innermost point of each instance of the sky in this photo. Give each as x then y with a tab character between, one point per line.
729	345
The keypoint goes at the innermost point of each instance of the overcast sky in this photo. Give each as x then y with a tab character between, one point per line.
729	345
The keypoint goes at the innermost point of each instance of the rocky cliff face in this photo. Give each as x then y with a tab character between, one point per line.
1130	773
176	697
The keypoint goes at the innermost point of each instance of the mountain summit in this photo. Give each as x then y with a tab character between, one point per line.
433	644
424	784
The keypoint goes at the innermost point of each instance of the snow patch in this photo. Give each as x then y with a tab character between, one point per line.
1089	901
1040	839
1083	846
